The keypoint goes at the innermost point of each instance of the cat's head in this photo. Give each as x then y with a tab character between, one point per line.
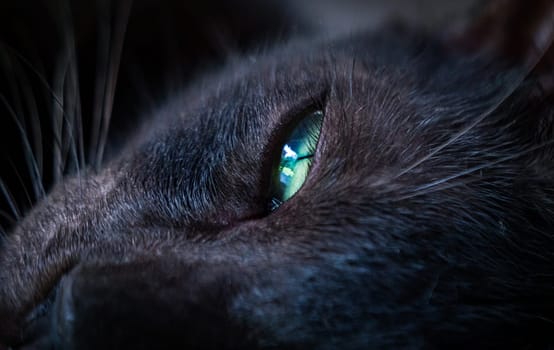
423	217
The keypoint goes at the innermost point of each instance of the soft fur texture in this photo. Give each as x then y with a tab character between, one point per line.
426	220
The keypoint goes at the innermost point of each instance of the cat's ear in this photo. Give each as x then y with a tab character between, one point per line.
518	32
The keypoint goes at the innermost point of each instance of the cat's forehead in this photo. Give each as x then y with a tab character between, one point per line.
268	85
393	61
387	79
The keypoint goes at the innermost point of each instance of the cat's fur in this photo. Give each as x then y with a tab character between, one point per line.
426	220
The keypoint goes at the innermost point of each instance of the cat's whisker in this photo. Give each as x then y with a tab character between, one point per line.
30	66
73	139
9	217
100	82
107	70
457	136
10	200
58	112
436	185
351	78
66	129
19	178
21	86
36	135
534	61
28	150
73	130
3	234
52	94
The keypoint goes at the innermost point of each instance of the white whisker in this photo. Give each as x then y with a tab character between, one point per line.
108	70
10	200
30	201
435	186
28	150
29	65
36	134
509	92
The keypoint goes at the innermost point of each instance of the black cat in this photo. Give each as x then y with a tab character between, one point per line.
388	189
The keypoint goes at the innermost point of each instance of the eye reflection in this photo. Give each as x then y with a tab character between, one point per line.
296	159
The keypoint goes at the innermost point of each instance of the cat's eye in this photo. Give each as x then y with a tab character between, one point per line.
297	155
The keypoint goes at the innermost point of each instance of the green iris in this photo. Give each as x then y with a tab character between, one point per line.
296	158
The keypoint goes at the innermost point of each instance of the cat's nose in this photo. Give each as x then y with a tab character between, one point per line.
144	306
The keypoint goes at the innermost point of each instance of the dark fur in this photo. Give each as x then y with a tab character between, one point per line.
426	221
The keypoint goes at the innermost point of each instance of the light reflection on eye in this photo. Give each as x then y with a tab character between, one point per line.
296	159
